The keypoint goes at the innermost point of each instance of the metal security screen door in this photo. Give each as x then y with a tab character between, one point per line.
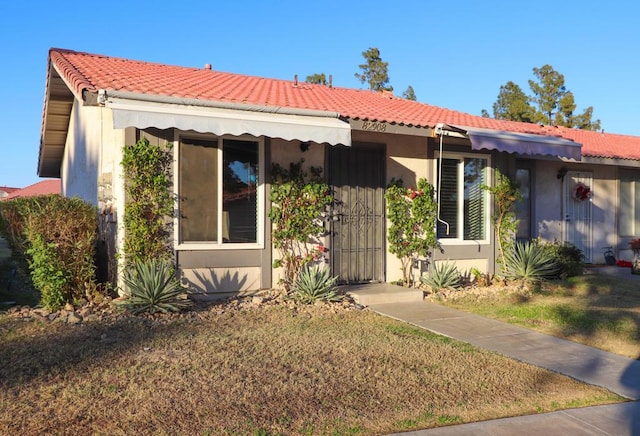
577	211
356	175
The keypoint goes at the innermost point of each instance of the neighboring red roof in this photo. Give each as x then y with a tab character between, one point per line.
90	72
45	187
7	189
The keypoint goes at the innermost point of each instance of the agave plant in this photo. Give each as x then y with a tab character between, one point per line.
151	286
442	275
530	261
315	283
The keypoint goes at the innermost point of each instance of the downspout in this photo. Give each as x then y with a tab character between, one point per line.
439	131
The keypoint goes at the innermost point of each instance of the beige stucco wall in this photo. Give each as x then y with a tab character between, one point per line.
79	172
547	204
548	211
406	160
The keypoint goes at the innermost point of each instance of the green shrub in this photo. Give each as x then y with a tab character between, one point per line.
530	261
57	237
12	218
442	275
412	216
47	273
569	258
149	201
315	283
152	286
298	202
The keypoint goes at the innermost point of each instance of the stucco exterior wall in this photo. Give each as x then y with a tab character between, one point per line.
547	204
605	203
79	172
406	160
548	213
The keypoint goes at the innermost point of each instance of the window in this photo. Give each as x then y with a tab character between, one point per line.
463	202
219	191
523	207
629	204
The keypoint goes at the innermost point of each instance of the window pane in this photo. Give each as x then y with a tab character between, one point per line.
474	199
198	193
626	207
523	207
449	199
635	219
240	206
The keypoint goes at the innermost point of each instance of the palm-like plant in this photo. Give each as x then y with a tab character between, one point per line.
153	287
530	261
443	275
315	283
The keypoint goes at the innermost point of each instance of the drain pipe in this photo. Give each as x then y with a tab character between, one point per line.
440	132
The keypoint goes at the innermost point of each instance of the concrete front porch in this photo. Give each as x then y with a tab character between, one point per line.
369	294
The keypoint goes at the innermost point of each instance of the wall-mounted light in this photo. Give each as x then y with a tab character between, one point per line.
304	146
562	172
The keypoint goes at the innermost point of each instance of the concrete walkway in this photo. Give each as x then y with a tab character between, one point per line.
616	373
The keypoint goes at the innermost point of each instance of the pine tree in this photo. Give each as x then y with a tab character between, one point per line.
550	103
513	104
409	94
317	78
374	71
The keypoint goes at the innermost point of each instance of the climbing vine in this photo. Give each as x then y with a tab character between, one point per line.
505	195
412	213
149	201
298	201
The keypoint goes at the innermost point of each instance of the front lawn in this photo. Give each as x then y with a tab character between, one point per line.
261	370
599	310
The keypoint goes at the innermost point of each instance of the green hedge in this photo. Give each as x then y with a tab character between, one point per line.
57	236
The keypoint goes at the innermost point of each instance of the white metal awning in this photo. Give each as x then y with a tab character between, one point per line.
222	121
520	143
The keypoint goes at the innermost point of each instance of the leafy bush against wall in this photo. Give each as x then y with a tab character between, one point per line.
297	204
149	201
568	257
412	213
505	196
57	236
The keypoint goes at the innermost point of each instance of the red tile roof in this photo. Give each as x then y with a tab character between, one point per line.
7	189
45	187
90	72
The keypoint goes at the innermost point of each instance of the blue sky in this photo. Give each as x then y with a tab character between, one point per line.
455	54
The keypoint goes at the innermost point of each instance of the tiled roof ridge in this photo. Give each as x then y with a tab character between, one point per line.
69	73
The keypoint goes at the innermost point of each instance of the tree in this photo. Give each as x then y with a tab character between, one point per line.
412	213
317	78
409	94
513	104
547	92
374	71
550	103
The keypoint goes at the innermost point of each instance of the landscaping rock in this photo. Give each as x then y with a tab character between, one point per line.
74	318
85	311
69	307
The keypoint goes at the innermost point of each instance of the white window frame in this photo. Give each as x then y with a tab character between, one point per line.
629	176
459	239
220	245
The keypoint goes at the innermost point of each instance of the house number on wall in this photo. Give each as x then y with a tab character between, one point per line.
374	126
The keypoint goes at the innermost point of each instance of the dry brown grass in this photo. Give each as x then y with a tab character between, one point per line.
261	371
599	310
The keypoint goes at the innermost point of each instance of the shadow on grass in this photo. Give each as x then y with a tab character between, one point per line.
64	348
